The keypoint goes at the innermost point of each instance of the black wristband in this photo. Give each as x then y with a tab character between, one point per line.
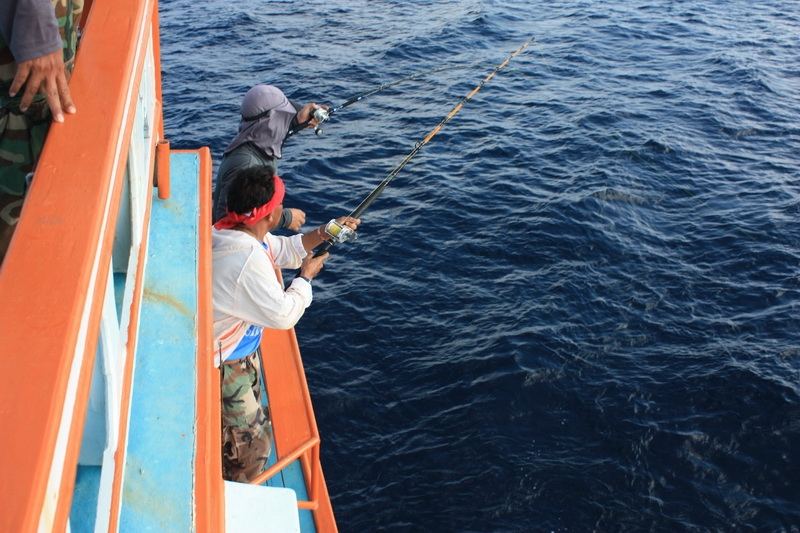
305	278
286	218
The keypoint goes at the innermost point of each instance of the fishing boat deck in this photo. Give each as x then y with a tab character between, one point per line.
160	462
122	410
159	466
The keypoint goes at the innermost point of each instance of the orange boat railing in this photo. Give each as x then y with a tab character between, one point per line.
53	287
307	451
294	423
55	278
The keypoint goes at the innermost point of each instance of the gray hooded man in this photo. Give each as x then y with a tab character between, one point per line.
266	117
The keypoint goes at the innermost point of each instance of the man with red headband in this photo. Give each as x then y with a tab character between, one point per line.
247	297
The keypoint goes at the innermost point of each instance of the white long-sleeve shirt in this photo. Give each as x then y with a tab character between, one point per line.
247	295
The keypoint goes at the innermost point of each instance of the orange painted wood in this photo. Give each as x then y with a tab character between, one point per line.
76	432
291	409
127	376
47	273
127	380
133	327
162	169
209	489
285	386
136	304
323	517
157	62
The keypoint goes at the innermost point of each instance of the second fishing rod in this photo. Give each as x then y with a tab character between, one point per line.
340	233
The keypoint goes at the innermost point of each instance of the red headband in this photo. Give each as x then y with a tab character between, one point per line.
232	219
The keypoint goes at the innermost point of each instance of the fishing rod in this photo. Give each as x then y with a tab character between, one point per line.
322	115
340	233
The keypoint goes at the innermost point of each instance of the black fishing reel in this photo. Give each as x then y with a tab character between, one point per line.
321	115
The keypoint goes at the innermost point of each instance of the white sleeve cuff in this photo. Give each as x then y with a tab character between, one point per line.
303	288
297	242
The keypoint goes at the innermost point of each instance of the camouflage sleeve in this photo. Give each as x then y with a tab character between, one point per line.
29	27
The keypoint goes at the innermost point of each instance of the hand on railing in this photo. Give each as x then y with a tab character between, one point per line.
47	75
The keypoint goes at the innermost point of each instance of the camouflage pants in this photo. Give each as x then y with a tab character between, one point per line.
246	427
22	134
21	141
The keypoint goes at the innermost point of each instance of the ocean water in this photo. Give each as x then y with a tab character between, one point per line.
577	308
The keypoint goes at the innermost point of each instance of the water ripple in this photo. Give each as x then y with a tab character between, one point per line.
577	308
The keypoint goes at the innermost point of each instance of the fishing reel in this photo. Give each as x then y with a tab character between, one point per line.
340	233
321	115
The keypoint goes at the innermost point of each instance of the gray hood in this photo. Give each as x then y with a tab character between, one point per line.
266	117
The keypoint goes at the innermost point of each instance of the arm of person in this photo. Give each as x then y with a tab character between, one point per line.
31	31
292	219
314	238
29	27
261	300
288	252
305	114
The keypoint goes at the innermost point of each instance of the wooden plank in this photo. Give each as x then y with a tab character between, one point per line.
68	218
158	487
287	390
84	500
209	499
285	383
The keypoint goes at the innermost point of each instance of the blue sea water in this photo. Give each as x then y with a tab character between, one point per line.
577	308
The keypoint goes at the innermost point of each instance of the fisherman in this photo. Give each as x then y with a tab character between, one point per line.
38	40
247	297
266	118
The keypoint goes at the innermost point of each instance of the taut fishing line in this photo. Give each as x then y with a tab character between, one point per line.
322	115
340	233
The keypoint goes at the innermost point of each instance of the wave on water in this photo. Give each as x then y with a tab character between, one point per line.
577	308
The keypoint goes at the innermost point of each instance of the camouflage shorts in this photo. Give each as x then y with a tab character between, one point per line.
21	140
22	134
246	427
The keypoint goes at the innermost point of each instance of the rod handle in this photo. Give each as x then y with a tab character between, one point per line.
324	247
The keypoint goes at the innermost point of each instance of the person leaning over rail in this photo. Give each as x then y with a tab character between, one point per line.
247	297
266	118
38	41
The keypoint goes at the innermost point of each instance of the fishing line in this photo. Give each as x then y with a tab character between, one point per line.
324	115
341	233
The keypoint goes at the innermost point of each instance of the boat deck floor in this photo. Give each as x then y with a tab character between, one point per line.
157	492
